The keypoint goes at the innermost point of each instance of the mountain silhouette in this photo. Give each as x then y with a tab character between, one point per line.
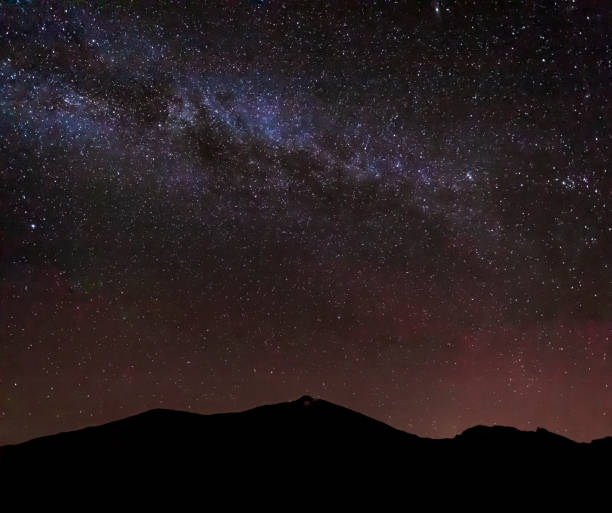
301	443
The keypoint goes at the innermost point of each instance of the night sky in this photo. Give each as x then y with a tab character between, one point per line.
400	207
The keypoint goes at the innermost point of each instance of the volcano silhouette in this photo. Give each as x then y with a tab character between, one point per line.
300	441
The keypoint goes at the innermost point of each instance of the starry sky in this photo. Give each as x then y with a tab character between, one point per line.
399	206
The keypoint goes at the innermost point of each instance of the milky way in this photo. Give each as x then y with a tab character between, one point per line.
402	207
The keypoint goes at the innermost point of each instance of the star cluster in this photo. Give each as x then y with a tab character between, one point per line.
402	207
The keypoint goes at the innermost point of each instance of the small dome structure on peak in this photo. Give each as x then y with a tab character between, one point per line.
305	400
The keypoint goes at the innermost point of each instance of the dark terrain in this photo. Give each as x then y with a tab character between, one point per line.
300	444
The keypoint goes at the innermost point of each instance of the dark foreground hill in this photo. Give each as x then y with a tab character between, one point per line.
304	444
